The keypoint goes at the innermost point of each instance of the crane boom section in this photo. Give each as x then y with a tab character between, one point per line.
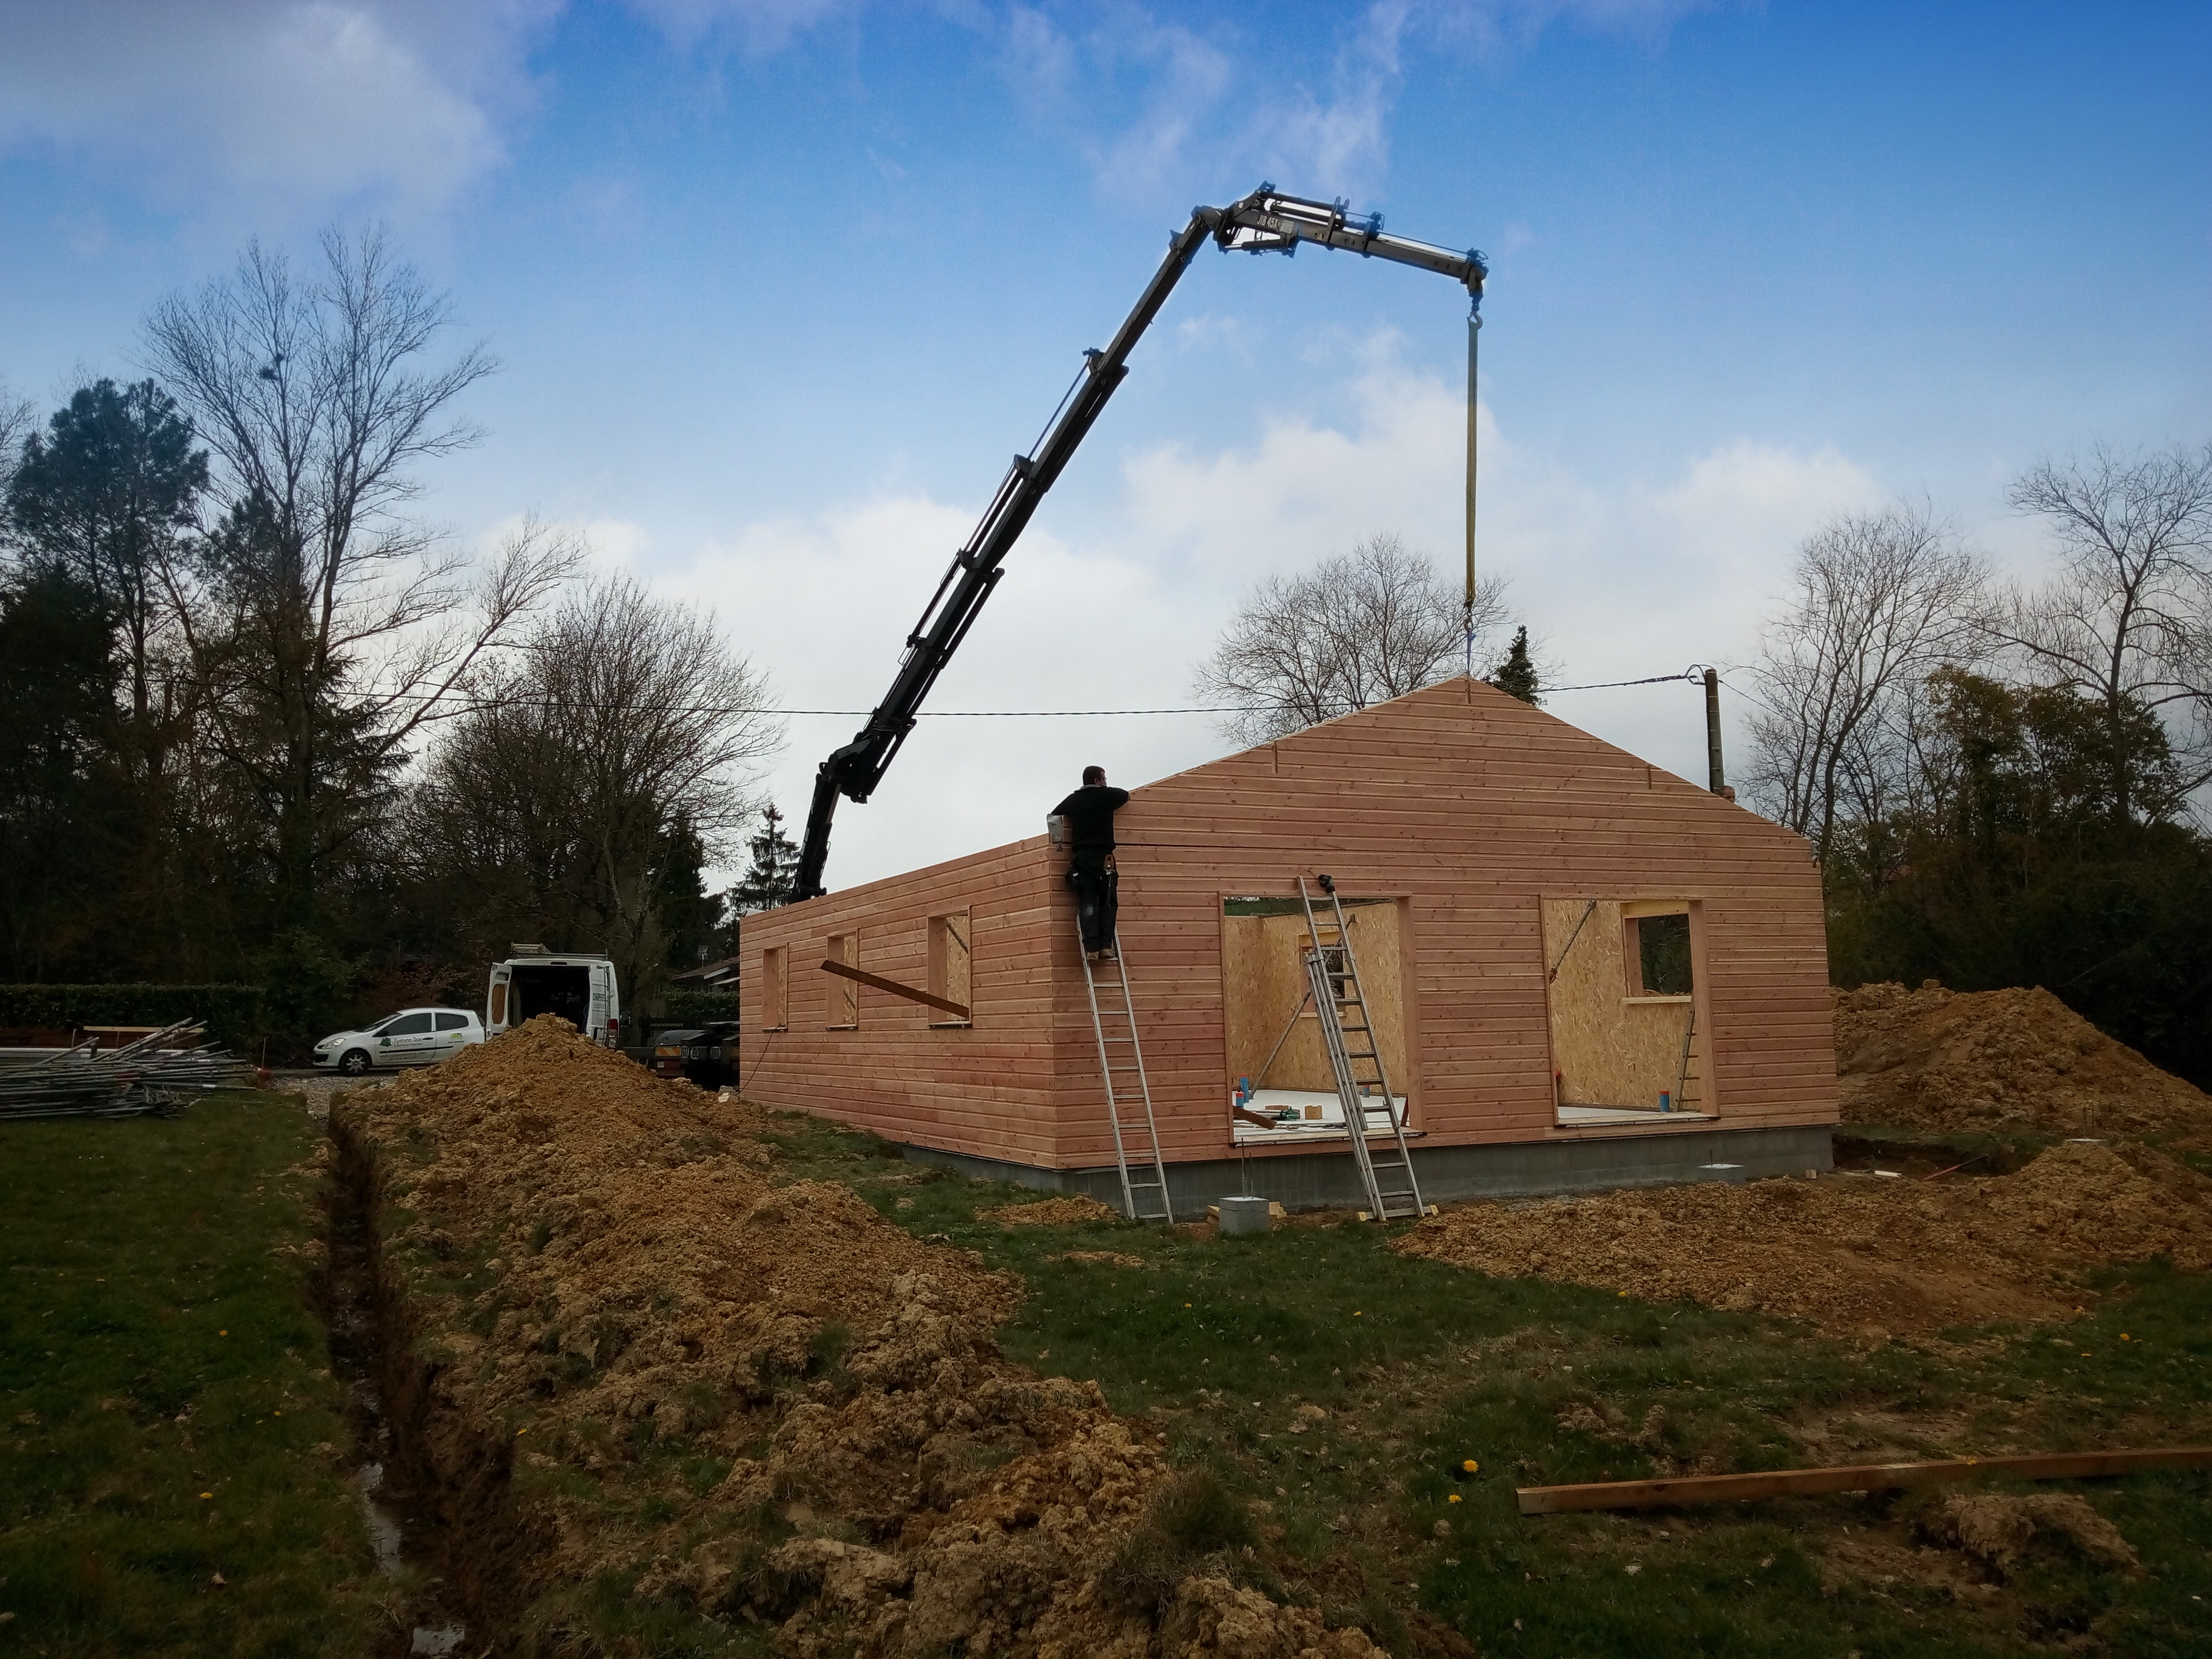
1265	222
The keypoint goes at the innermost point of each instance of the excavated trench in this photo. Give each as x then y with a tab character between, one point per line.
597	1337
438	1539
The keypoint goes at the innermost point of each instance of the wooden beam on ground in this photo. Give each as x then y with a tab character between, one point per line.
1862	1477
957	1010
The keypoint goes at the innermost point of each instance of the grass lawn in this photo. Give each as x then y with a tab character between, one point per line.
1415	1368
173	1450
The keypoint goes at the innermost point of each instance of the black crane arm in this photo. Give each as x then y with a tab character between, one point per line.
1265	222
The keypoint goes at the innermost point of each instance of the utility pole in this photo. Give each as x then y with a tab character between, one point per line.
1473	328
1719	784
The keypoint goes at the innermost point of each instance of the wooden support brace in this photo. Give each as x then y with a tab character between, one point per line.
1862	1477
957	1010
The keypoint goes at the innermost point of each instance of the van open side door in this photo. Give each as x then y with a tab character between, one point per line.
496	1003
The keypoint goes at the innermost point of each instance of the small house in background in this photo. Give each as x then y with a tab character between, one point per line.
1582	971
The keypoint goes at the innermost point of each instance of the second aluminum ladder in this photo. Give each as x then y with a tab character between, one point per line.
1355	1056
1129	1095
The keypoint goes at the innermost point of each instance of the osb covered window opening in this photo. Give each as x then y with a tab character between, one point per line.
1621	999
776	1007
950	973
1280	1087
844	993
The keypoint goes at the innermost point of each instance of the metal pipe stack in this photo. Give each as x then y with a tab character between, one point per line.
88	1081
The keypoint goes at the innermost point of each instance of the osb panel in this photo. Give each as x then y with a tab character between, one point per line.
1609	1050
1263	977
843	995
950	962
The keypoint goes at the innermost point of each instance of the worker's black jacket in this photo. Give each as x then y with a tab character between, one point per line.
1089	814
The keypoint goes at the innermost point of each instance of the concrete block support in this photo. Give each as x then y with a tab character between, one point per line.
1312	1180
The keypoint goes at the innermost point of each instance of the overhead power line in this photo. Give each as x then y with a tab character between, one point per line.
463	705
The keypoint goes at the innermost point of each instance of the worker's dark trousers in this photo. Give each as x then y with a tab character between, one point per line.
1096	898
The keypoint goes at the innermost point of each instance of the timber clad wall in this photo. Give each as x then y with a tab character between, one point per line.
1469	808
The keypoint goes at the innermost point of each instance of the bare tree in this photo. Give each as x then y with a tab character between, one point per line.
17	418
552	803
1881	600
326	626
2128	622
1359	628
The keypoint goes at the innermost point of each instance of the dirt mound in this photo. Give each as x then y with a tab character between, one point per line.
1051	1213
619	1350
2000	1531
1997	1059
1854	1255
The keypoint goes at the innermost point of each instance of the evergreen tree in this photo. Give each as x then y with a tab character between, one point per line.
105	493
1517	676
768	882
690	916
61	810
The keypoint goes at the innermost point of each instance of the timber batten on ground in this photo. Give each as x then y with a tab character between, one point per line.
1860	1477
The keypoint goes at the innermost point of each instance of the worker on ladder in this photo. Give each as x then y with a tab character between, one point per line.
1090	871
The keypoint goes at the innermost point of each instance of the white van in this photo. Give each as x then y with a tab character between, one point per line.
535	981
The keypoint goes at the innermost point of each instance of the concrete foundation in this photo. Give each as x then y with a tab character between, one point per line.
1314	1181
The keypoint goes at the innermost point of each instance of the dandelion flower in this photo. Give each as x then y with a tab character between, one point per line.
1470	1465
1453	1498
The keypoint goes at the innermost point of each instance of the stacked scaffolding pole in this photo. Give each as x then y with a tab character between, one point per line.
140	1077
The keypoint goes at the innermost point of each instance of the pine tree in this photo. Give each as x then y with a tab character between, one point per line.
1517	676
690	917
768	882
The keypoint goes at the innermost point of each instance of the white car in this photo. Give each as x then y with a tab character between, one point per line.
413	1036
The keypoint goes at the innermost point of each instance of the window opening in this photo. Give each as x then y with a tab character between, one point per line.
775	1008
1280	1086
949	965
1659	953
1626	1042
844	993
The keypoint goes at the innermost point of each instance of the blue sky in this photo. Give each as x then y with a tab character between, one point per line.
781	284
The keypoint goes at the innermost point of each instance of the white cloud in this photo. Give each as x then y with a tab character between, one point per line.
1185	106
758	26
1623	580
395	105
824	604
1495	28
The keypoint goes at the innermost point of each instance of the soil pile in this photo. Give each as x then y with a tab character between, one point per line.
622	1352
1997	1059
1854	1255
1050	1212
2000	1531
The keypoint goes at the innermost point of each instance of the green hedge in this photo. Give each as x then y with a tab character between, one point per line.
232	1013
697	1007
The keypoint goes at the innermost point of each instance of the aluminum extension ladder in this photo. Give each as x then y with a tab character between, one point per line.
1355	1057
1129	1110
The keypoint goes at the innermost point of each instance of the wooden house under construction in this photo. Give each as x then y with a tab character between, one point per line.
1581	971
